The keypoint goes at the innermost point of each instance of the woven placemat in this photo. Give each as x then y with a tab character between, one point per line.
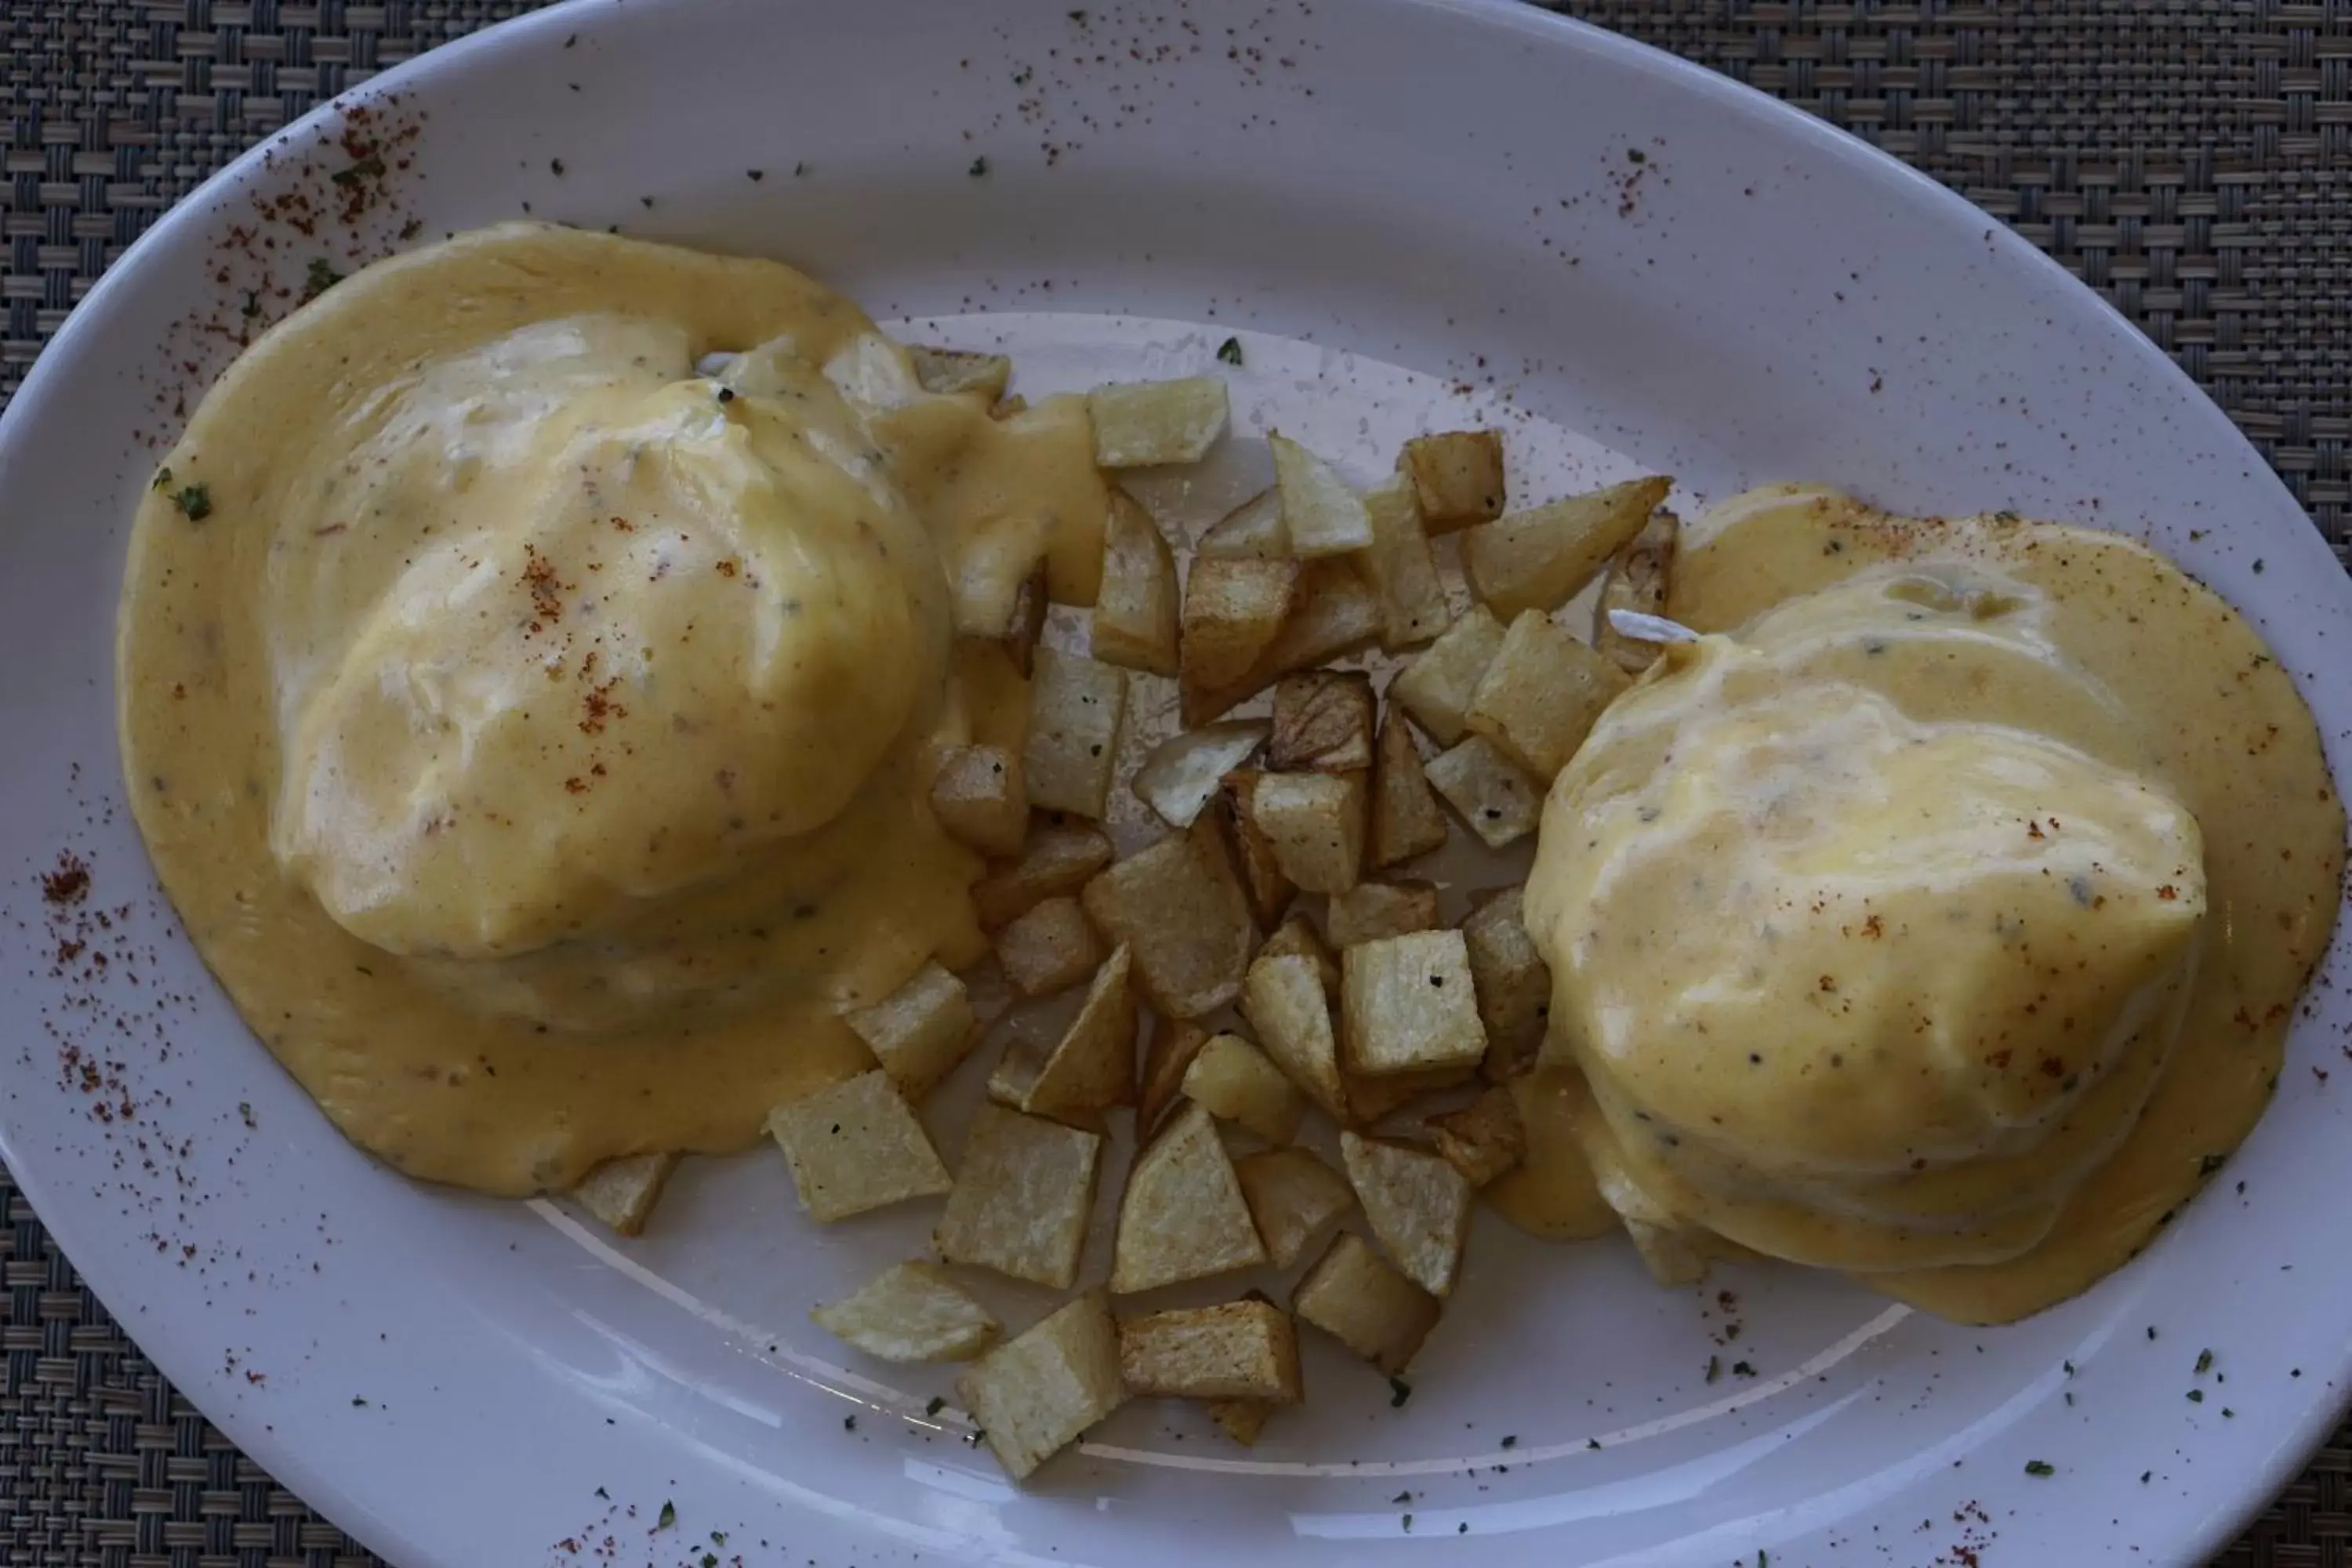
2190	159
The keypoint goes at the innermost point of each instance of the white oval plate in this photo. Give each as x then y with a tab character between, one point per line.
1409	211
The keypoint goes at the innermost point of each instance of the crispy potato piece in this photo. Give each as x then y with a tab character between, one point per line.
1672	1257
1284	1002
1174	1043
1484	1137
1253	530
910	1312
1146	424
1180	776
1074	708
1182	1216
1323	721
1242	1420
1405	821
1316	824
1333	611
998	589
1180	907
1513	983
622	1193
1135	617
1236	1350
1419	1206
1233	611
1057	858
1050	948
1033	1396
921	1032
1456	477
1371	1096
1268	890
1407	1004
1500	800
1093	1066
1638	579
1324	516
1540	558
1292	1194
1019	1203
979	797
1353	1295
1402	570
960	370
1539	697
1297	935
855	1146
1235	1080
1370	910
1437	687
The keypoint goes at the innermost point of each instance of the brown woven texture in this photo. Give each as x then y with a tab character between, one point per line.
2190	159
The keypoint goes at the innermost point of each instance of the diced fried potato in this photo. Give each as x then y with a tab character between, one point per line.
1419	1206
1253	530
1050	948
979	797
1182	1216
1136	612
1292	1194
1174	1043
1405	821
1436	688
920	1032
1146	424
1323	721
1268	890
1181	909
1035	1394
910	1312
1513	983
1353	1295
1638	580
1500	800
1233	610
1324	516
1456	476
622	1193
1180	776
1371	910
1538	559
1231	1079
1672	1257
1407	1004
959	370
1020	1202
1236	1350
999	592
1371	1096
1483	1139
1316	824
1333	611
1074	708
1242	1420
855	1146
1284	1002
1539	697
1400	568
1093	1066
1298	936
1057	859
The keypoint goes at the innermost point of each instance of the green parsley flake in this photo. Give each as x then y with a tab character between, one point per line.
2040	1467
2195	1396
2204	1363
935	1406
1230	351
194	501
668	1515
1399	1392
979	170
164	478
1510	1442
1714	1368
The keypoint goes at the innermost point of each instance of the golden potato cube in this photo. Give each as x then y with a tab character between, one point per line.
1147	424
1298	936
1512	981
912	1313
1501	801
1456	477
1136	611
1174	1043
1268	890
1418	1204
1182	1216
1019	1203
622	1193
1316	824
1092	1067
1371	1096
1182	773
1540	558
1236	1350
1353	1295
991	582
1231	1079
1055	859
1049	948
1371	910
1436	688
951	371
1074	708
1180	908
1405	821
1638	580
1292	1194
856	1146
1253	530
1035	1394
1407	1004
1323	721
921	1032
1333	611
1284	1002
1538	697
980	798
1402	570
1484	1137
1233	611
1242	1420
1325	517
